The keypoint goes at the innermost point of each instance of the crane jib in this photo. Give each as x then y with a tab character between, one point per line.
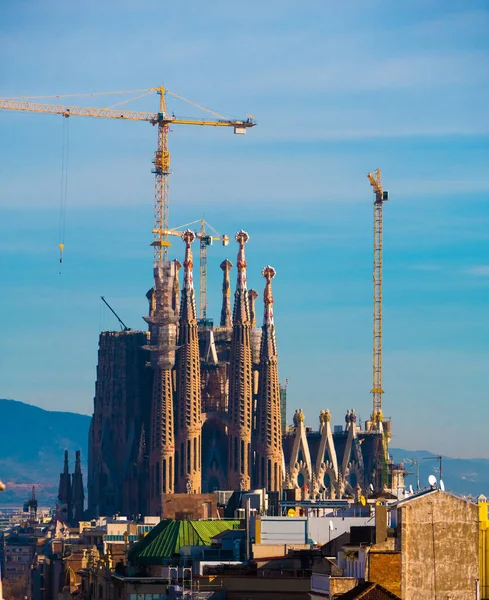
161	158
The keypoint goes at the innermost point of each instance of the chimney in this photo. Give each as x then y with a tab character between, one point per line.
380	521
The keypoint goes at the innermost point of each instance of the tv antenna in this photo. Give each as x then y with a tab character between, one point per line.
415	464
436	457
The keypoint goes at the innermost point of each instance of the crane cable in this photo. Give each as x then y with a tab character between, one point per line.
65	153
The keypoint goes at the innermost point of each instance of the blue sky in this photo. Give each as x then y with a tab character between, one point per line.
338	89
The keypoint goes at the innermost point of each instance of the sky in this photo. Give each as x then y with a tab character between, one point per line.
337	90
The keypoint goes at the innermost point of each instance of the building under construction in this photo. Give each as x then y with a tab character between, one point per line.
188	407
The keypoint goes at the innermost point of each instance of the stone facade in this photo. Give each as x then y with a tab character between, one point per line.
118	463
438	537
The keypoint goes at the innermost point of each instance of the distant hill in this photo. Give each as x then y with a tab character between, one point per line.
33	440
467	476
32	443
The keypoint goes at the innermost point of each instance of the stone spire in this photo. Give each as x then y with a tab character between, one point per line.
176	288
268	415
77	491
188	406
163	332
226	317
240	380
64	491
252	297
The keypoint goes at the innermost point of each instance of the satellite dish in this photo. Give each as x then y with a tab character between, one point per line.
331	526
442	485
363	502
432	480
411	491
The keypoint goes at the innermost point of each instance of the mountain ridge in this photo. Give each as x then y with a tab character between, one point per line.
45	435
38	459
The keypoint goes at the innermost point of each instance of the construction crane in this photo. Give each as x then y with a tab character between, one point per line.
161	159
380	197
121	322
206	239
377	418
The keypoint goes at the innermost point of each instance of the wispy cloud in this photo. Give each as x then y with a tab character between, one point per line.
477	270
425	267
364	74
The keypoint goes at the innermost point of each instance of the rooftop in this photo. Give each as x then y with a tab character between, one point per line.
169	536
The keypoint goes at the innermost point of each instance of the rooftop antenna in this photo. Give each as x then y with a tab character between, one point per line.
436	457
415	463
121	322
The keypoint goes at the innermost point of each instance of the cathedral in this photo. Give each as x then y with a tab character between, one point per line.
189	407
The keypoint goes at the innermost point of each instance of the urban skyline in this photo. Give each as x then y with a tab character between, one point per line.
297	183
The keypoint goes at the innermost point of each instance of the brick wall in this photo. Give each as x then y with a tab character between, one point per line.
384	568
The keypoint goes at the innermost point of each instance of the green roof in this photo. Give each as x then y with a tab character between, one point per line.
166	539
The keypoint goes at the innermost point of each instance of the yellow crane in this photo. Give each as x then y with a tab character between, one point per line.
161	159
381	196
377	419
206	239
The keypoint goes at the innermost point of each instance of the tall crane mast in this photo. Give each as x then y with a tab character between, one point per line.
161	159
381	196
206	239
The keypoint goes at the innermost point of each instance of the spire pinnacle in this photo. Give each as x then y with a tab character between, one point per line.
226	317
188	237
242	237
77	462
241	313
269	273
252	296
188	310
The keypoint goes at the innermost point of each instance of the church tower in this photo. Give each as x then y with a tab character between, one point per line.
188	406
162	323
64	490
268	415
240	380
77	491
